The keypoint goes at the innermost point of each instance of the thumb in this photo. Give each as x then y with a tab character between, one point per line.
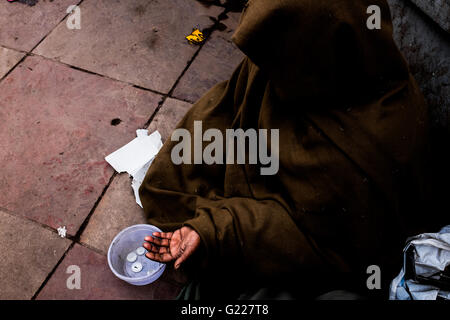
187	250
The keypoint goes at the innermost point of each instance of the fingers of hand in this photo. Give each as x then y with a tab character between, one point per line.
160	257
164	242
158	246
163	235
151	247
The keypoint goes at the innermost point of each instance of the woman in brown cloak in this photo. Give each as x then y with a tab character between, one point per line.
351	183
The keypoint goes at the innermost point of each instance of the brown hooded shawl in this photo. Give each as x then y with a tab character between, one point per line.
353	130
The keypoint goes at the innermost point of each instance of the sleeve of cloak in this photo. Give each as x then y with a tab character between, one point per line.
261	234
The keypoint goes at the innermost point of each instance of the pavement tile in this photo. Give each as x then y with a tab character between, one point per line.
29	253
56	130
22	27
140	41
215	63
116	211
8	59
168	117
99	283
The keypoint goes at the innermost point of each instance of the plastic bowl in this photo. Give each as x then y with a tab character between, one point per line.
127	241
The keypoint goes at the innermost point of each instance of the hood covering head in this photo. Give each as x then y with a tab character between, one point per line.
321	48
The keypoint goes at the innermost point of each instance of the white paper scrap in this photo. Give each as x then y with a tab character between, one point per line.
135	154
136	185
136	157
62	231
138	178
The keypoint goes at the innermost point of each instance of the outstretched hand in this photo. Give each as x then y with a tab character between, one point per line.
169	246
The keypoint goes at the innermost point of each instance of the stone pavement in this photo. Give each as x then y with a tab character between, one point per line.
70	97
60	90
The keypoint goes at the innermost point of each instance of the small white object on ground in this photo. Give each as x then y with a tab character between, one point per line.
140	251
62	231
136	267
131	257
136	157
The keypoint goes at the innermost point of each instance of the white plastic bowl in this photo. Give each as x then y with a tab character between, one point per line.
128	240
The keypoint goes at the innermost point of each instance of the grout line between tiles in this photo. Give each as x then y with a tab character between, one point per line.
29	53
50	274
210	31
